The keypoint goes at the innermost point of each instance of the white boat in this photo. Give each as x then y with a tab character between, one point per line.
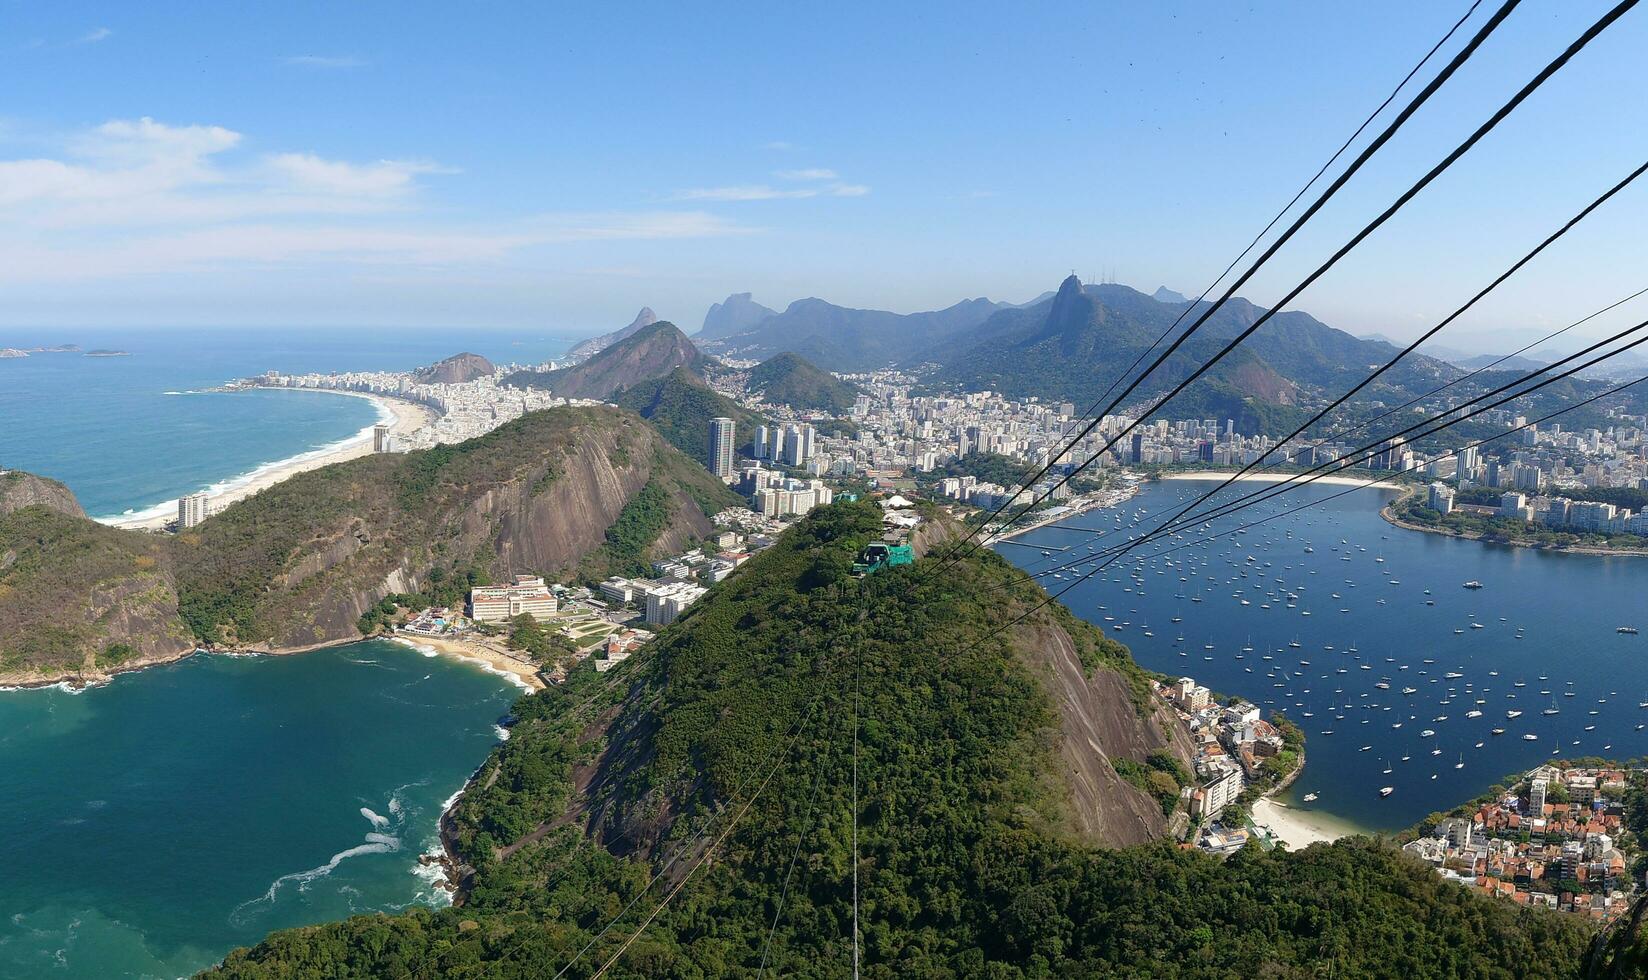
1385	791
1310	797
1530	737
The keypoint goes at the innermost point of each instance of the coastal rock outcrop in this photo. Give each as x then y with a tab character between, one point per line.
455	370
19	490
298	564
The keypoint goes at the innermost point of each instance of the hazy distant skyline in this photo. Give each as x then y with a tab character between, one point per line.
556	170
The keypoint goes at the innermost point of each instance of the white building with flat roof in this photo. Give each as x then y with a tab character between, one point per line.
500	603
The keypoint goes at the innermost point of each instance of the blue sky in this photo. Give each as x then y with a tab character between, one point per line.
521	165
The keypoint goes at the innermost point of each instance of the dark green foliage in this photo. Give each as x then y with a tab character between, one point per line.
546	647
790	379
985	467
737	726
680	407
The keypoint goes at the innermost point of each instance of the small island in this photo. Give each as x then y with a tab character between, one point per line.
100	352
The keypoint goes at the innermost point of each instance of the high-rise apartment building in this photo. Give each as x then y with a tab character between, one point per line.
721	447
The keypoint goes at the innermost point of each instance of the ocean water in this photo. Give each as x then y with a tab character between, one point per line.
129	433
155	823
1543	638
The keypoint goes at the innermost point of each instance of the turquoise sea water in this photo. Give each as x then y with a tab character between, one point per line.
1546	640
181	811
157	822
129	433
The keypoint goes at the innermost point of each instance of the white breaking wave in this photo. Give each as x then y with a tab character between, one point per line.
373	843
503	733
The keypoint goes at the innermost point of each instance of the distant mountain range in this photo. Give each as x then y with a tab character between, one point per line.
653	351
595	345
838	338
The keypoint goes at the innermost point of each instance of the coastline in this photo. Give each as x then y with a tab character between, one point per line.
1298	828
1389	514
403	417
1338	481
518	672
1077	509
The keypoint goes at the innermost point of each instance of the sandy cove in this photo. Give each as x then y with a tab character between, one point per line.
408	417
491	658
1299	829
489	655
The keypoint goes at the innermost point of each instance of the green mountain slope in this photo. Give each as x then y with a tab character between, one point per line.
790	379
692	814
680	407
651	352
301	562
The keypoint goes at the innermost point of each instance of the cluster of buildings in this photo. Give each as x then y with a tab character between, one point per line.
680	581
1231	743
1555	842
463	410
1557	513
776	495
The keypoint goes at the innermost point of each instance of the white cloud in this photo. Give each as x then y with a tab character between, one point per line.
326	61
745	192
766	192
139	197
385	178
778	145
94	36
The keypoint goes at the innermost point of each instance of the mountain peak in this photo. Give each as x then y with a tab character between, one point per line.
733	315
645	318
1165	295
1071	306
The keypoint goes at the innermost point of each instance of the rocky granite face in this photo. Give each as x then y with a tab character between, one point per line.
455	370
732	316
19	489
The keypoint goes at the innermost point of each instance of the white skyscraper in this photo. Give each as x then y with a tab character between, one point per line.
191	509
382	441
721	447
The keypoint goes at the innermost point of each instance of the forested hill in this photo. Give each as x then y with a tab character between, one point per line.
680	406
691	813
651	352
306	560
790	379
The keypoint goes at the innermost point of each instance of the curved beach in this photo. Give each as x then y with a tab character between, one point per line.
403	418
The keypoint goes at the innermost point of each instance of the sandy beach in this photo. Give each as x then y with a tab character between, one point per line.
523	674
404	417
1299	828
1338	481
